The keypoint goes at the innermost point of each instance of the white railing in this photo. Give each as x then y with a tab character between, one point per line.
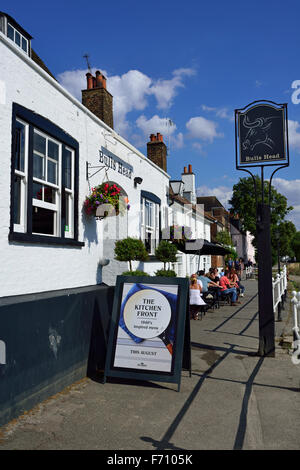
279	291
249	272
296	336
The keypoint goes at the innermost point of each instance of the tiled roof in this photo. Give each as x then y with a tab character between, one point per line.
39	61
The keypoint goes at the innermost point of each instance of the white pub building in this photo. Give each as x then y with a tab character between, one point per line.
57	263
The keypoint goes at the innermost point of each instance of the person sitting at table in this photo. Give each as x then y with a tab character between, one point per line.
196	301
206	281
227	288
235	280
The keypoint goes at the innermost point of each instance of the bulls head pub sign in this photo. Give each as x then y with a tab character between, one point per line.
261	134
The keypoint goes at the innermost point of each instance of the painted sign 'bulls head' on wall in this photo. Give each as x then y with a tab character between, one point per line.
261	132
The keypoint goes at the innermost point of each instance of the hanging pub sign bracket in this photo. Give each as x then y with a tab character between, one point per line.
89	167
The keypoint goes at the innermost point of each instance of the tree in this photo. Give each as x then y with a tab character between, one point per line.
295	244
224	238
243	203
286	233
166	252
130	249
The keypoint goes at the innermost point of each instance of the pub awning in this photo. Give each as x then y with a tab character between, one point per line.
201	246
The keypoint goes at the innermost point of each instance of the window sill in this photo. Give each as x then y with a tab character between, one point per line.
40	239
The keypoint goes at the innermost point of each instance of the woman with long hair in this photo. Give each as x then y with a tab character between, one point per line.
196	301
234	278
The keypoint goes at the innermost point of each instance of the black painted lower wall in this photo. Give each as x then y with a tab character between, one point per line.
52	339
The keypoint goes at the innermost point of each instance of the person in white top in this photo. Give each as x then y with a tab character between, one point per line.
196	300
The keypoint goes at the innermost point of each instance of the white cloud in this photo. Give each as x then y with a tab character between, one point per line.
203	129
155	124
199	147
291	190
164	126
165	90
74	81
179	141
131	91
222	113
222	193
294	134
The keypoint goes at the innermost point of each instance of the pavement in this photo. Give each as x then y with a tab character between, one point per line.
233	400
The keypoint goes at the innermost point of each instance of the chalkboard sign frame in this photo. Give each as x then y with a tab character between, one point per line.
182	348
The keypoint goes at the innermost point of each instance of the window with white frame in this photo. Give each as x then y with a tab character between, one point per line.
20	175
44	180
150	224
17	37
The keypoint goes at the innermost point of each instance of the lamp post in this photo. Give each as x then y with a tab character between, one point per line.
259	126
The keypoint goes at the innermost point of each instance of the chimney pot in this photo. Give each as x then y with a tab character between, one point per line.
190	169
90	81
185	169
152	137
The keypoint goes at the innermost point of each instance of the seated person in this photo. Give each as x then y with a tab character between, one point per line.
227	288
196	301
206	281
235	280
213	275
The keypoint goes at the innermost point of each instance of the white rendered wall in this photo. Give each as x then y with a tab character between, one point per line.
29	268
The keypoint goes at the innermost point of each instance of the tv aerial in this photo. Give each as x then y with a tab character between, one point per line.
86	57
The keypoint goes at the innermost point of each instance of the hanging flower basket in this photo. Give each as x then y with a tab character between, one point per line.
110	195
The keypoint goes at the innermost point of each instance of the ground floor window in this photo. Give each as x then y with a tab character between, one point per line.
150	221
44	180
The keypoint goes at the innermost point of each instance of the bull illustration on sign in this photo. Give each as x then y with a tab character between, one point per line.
258	132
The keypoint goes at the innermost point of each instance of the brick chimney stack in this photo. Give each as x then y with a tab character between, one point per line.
97	99
157	151
188	177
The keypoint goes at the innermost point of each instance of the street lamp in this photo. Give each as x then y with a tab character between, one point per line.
176	186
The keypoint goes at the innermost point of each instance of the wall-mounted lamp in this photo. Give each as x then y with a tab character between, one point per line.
176	186
137	180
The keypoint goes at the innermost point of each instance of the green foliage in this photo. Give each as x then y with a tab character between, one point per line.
286	233
243	203
166	252
233	255
130	249
135	273
224	238
165	273
295	245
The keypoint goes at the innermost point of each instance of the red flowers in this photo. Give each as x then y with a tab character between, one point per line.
105	194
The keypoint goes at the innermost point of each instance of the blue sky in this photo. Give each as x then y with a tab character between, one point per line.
191	63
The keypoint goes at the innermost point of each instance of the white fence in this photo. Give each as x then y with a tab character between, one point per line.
296	316
279	291
249	271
